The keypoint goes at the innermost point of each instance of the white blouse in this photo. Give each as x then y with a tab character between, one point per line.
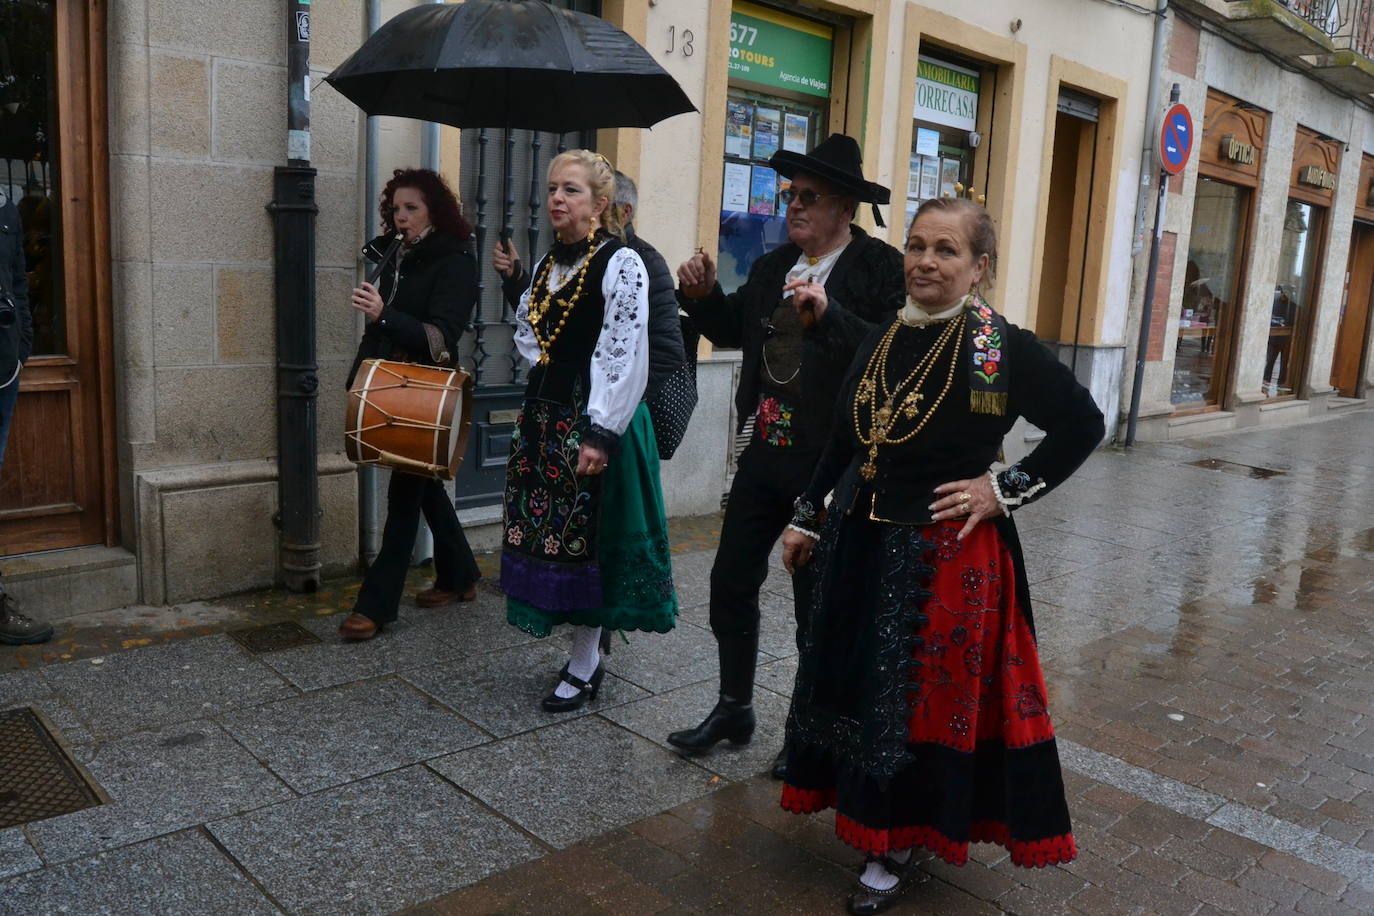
620	362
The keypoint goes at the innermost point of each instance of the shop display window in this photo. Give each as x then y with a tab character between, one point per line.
1210	292
944	134
753	217
1292	307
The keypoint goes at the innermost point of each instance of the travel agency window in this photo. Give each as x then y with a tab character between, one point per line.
1316	160
778	98
1229	161
951	119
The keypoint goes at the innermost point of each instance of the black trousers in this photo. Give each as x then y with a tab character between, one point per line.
454	566
767	482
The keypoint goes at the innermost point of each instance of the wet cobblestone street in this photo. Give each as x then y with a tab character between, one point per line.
1208	638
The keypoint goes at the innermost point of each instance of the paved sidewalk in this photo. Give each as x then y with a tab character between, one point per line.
1207	638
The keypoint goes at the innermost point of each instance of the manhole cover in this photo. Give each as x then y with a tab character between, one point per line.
1231	467
37	780
274	637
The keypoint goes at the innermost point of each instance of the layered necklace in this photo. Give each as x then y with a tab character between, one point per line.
542	299
885	404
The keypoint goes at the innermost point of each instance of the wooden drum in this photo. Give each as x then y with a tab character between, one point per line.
409	418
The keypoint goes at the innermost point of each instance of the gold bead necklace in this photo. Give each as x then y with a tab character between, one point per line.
539	307
873	390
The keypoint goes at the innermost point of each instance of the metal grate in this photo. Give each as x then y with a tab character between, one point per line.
274	637
1231	467
37	779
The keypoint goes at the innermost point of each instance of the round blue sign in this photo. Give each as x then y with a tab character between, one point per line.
1176	139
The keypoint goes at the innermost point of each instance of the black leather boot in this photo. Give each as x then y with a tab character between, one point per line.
732	719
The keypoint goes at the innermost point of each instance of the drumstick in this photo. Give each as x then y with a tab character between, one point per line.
390	251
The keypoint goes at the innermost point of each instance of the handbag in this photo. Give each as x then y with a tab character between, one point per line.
671	405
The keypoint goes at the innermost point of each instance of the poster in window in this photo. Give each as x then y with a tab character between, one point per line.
927	142
739	128
783	185
736	196
949	177
930	178
796	130
767	128
913	178
763	191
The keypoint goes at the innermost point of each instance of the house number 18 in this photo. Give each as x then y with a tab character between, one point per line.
685	47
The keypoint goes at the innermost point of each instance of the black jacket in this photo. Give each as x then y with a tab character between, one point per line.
666	350
16	340
865	288
437	285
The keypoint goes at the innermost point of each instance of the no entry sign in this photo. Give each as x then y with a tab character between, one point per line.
1175	139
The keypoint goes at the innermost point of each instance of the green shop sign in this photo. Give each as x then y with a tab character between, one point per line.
775	49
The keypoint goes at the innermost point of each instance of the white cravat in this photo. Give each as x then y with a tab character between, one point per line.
816	270
915	316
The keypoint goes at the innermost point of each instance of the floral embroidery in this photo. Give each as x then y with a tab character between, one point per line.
987	343
514	535
1030	702
774	422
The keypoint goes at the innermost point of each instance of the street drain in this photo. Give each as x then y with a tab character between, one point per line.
274	637
37	779
1231	467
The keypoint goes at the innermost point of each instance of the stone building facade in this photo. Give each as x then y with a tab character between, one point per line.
172	118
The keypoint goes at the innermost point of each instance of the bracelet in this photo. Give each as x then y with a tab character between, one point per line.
800	530
1014	487
997	492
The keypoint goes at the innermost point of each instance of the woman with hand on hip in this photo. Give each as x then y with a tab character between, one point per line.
586	539
919	711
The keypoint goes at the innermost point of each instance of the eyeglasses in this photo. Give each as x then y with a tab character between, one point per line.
807	198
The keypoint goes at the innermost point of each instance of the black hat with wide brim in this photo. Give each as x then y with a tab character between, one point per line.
837	160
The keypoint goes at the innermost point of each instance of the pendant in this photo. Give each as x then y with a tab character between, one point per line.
868	470
543	359
884	414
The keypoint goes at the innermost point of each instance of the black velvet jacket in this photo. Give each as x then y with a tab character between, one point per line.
667	352
956	443
864	289
435	283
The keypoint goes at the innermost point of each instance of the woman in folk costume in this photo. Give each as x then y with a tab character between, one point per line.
586	540
919	711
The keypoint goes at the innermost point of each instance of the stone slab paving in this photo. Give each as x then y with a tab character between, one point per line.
1209	647
183	874
158	782
374	846
332	737
576	779
164	684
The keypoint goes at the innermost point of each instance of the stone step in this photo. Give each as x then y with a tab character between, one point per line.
60	583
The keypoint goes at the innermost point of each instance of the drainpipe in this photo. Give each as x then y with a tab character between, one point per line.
369	523
293	212
1147	157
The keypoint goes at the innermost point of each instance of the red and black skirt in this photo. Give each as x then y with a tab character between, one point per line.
919	711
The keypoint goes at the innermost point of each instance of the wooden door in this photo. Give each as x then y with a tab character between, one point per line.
57	482
1355	308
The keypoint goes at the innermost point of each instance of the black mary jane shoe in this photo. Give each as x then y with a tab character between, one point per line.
865	901
586	690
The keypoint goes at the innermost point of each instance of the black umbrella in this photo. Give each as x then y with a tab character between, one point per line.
508	63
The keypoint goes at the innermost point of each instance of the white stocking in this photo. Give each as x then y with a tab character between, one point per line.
586	656
879	878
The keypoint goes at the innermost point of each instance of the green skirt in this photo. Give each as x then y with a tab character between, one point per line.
636	571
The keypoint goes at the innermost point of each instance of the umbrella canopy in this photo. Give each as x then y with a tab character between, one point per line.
508	63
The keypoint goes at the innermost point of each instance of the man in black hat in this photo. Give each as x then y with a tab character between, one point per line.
799	317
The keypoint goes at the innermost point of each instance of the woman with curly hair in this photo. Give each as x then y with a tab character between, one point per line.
429	289
586	540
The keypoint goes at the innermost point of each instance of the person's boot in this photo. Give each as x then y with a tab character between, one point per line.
16	629
732	719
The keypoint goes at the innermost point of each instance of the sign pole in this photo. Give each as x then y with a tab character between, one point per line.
1173	158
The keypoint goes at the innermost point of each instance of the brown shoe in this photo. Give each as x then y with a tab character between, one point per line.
359	626
438	597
